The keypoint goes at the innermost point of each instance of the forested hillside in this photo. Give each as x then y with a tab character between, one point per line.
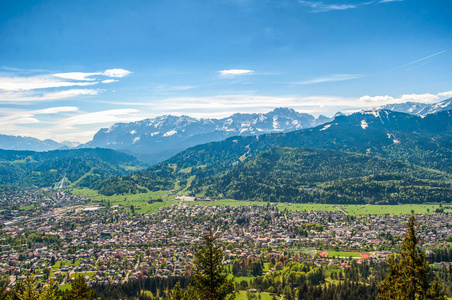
81	167
225	167
327	176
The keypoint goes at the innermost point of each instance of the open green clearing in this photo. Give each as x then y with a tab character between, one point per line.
141	203
59	264
241	278
27	207
343	254
294	251
90	274
389	209
241	295
65	287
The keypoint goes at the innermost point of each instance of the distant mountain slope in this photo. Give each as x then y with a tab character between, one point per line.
422	141
81	167
420	109
11	142
159	138
327	176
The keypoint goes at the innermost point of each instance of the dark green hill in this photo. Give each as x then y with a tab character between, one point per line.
397	136
422	141
327	176
81	167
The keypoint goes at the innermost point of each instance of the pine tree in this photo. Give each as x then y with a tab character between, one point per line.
28	290
79	290
209	274
49	291
178	294
408	272
4	295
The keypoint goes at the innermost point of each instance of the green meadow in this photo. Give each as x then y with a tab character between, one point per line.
343	254
241	295
145	203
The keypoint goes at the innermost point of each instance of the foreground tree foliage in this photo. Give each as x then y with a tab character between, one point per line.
408	272
179	294
79	290
209	275
31	289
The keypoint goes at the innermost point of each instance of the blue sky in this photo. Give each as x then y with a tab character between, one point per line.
68	68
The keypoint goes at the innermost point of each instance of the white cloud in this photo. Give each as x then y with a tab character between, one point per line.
15	97
116	73
101	117
58	80
333	78
317	6
422	98
70	93
65	122
224	105
12	121
36	82
55	110
76	75
52	86
169	88
228	104
233	72
109	81
376	99
445	94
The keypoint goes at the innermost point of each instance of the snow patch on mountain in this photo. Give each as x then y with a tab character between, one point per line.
364	124
170	133
326	127
420	109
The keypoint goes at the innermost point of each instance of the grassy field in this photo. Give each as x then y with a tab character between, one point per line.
224	203
139	201
65	287
298	251
27	207
307	207
90	274
142	205
242	278
241	295
60	263
343	254
389	209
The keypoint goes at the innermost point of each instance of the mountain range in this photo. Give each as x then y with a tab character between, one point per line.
156	139
414	163
420	109
10	142
373	156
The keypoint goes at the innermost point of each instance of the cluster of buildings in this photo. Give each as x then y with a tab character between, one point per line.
50	233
